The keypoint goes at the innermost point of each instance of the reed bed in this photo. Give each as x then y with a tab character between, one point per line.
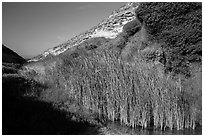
136	94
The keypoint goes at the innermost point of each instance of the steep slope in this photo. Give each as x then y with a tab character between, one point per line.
9	56
108	28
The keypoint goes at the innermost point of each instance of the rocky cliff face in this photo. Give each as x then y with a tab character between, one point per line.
108	28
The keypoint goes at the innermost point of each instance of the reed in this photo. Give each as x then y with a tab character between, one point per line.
136	94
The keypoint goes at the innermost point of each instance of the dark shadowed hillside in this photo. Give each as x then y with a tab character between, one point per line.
11	61
9	56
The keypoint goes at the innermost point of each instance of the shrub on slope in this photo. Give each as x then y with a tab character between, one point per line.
131	28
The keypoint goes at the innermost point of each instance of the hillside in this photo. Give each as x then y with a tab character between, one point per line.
180	32
140	67
9	56
108	28
11	61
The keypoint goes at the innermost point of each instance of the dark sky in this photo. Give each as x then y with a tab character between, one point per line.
31	28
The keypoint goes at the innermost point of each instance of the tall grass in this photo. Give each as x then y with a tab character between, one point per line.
136	94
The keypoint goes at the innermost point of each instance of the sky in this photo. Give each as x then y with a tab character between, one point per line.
31	28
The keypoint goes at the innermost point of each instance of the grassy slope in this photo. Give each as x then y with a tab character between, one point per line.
124	80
